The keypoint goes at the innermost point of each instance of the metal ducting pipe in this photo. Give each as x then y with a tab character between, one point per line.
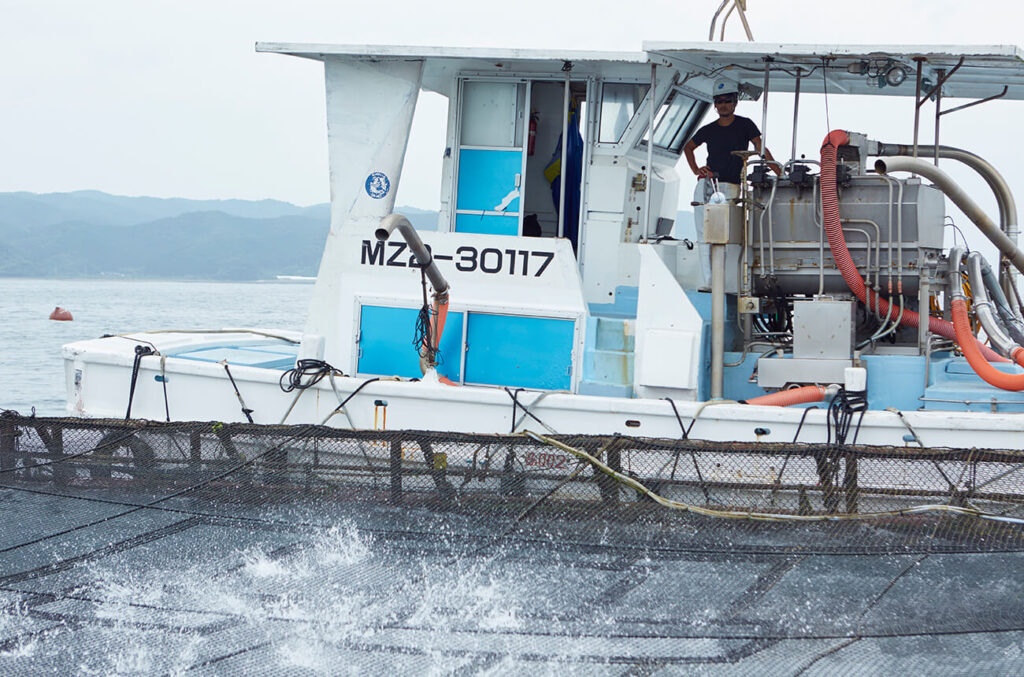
983	307
392	221
1004	198
960	198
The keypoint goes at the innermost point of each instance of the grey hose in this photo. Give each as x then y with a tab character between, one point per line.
983	307
1007	320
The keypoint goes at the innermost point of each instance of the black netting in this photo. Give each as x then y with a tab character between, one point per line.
222	549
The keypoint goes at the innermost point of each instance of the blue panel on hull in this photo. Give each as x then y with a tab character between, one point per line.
385	343
955	387
526	352
736	383
895	381
488	224
486	177
623	307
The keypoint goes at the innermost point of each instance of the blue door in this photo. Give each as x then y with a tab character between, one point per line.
386	343
524	352
489	185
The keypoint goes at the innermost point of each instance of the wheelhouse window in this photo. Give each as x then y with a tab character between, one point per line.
619	101
676	121
492	114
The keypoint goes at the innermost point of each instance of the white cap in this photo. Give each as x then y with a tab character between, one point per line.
724	86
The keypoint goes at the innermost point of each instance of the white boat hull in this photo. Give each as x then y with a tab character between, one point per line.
99	375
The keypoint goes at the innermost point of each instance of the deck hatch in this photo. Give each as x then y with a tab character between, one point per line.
526	352
386	343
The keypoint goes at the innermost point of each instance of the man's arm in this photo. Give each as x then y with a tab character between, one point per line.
767	155
700	172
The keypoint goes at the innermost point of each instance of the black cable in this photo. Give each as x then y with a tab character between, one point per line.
515	401
515	406
163	382
952	224
140	352
421	334
785	461
353	394
305	374
245	410
803	418
423	339
841	410
678	417
693	457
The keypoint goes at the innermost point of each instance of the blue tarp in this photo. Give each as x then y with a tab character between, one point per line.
574	173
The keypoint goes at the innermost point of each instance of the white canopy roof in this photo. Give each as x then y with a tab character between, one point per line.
985	71
442	62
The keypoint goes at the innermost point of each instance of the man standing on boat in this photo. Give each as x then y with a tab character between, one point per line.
729	133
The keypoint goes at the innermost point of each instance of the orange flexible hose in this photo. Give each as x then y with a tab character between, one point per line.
785	398
438	320
981	367
440	315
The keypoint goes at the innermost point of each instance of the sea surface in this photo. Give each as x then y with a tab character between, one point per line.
31	367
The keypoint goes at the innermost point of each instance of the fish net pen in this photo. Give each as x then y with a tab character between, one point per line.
210	548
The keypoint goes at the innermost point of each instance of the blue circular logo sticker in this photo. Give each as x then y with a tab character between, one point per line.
377	185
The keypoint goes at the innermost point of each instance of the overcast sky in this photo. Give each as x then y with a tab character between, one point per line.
153	97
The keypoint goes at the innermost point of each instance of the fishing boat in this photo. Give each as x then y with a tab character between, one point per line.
568	427
561	293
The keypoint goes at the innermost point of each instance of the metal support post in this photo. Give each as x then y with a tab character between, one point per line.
650	154
796	115
917	100
764	108
938	112
924	308
565	155
717	320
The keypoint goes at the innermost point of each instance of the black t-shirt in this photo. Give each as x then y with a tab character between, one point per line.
722	141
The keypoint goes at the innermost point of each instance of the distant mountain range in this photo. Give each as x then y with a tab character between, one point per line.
94	234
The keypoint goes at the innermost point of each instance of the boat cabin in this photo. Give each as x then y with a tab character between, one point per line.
557	227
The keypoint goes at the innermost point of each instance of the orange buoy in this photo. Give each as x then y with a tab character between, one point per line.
61	314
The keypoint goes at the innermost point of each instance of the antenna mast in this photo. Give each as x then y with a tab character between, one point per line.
738	6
